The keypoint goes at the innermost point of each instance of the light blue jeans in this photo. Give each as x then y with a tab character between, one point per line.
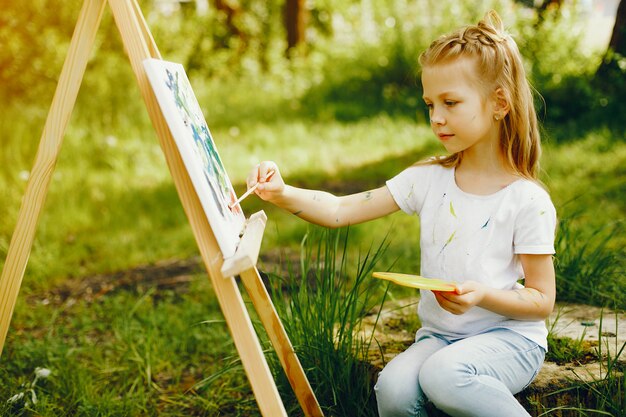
475	376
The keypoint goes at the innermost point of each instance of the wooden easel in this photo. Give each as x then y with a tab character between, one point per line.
140	45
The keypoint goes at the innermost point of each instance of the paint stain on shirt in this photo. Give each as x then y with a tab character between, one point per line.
448	242
452	210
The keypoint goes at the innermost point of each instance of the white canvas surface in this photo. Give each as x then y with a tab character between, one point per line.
198	151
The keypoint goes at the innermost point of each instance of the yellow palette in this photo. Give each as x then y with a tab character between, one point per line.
416	281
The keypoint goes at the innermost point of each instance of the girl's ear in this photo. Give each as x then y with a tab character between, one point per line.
501	103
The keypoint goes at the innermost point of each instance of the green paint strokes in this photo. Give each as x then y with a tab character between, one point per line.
448	241
452	211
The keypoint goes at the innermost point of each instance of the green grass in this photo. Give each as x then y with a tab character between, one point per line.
590	393
563	350
322	306
153	351
129	353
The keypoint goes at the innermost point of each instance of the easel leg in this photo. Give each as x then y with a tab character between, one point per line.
46	159
276	332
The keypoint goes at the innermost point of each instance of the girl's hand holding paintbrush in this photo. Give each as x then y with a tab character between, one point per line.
265	181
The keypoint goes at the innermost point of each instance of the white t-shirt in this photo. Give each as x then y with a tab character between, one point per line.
475	237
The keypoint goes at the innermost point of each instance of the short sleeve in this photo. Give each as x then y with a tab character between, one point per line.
535	225
409	188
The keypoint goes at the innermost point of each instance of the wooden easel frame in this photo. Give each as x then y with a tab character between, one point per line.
139	45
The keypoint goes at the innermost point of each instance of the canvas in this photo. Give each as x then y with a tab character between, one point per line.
198	151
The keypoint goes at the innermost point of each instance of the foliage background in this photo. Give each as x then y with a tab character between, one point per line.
342	111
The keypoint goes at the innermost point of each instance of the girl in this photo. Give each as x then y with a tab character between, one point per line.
486	223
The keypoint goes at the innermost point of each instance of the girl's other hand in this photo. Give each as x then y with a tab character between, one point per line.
467	295
270	182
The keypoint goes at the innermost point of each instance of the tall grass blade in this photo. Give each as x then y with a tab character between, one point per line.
322	309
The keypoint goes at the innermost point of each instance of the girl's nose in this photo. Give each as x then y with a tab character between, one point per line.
436	118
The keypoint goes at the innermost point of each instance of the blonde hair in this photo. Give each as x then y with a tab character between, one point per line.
499	65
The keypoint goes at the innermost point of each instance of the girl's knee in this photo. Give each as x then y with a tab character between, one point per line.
439	379
397	395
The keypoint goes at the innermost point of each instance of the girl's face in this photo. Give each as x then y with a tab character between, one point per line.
461	114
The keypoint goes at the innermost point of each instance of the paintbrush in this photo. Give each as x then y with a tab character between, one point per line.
251	190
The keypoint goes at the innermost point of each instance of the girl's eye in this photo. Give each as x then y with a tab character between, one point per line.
429	105
450	103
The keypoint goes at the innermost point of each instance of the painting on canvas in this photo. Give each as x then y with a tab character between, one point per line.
197	149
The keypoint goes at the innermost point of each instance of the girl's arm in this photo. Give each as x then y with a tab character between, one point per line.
533	302
320	207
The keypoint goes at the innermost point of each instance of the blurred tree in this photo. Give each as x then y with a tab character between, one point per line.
610	79
233	12
34	36
542	6
546	7
616	50
549	5
296	17
230	33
